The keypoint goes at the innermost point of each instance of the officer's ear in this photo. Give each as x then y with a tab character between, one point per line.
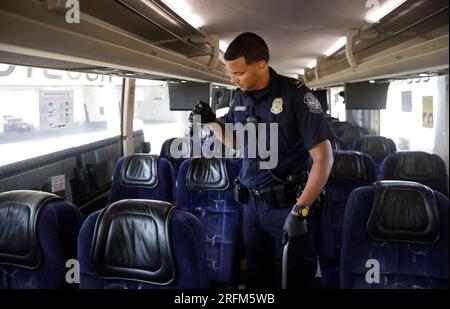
261	65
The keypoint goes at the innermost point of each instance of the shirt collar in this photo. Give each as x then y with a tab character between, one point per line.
273	86
274	82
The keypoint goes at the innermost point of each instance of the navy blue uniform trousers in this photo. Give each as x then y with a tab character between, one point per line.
262	234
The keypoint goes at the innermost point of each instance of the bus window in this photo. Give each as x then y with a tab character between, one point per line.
44	111
337	103
59	131
152	113
416	115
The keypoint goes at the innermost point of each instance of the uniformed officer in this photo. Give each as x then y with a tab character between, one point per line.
303	132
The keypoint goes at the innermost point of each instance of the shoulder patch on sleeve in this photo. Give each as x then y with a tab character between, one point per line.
312	102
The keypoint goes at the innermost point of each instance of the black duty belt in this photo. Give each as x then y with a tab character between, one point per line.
278	195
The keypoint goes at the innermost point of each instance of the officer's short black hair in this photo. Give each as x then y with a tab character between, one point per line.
248	45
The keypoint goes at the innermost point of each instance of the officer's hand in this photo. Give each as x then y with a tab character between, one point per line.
204	110
294	226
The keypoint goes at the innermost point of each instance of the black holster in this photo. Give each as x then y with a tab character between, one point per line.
279	195
241	192
284	195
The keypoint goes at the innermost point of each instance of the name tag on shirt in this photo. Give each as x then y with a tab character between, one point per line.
240	109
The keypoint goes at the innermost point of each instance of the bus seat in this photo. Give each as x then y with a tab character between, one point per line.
38	234
337	143
350	170
349	135
213	147
379	147
330	118
395	236
141	244
206	189
142	176
422	167
339	126
184	152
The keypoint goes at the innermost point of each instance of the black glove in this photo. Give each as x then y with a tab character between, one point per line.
204	110
190	123
294	226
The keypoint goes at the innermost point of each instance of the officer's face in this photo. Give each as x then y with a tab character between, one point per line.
247	76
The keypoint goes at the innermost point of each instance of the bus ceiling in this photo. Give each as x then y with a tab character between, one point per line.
185	39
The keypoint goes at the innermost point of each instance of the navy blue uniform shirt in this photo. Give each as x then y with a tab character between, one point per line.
301	126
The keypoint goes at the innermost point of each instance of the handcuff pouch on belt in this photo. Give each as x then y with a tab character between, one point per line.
278	195
284	195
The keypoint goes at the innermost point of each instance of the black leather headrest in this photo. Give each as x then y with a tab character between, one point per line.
165	148
212	147
352	133
207	174
132	242
175	148
415	166
334	141
19	213
404	211
140	170
377	146
338	126
348	165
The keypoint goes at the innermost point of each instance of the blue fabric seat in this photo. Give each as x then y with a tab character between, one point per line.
141	244
212	147
395	236
183	148
142	176
38	235
422	167
337	143
339	126
206	189
350	134
330	118
379	147
350	170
